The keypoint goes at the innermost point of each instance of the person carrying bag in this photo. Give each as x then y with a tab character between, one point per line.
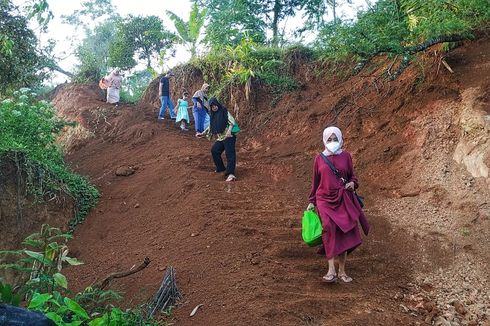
339	209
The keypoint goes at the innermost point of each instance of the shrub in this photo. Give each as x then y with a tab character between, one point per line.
44	288
29	130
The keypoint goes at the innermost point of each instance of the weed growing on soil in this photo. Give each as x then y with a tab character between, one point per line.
29	131
44	288
243	63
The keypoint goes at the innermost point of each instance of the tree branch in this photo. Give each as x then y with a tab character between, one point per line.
57	68
105	282
436	40
407	51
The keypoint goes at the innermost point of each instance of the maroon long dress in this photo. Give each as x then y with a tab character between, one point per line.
338	208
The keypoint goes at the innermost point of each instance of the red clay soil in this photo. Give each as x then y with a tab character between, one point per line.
237	247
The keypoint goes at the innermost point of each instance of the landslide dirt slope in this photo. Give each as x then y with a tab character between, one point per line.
420	150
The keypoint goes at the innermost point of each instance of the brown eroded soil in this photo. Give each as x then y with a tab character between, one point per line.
237	247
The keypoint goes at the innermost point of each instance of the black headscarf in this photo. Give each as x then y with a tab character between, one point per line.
219	119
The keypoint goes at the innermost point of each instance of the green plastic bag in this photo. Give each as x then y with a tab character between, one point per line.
311	228
235	129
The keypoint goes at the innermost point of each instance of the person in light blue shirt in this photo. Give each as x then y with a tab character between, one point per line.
182	112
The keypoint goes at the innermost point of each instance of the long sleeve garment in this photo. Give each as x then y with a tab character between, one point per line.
338	208
221	136
201	98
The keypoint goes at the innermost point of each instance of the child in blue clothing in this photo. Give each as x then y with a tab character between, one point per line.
182	112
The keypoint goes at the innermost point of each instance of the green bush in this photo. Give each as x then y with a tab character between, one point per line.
240	64
44	288
29	130
401	28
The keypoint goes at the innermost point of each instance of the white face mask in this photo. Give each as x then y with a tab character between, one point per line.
333	147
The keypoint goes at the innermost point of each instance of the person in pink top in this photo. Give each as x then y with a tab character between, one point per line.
336	203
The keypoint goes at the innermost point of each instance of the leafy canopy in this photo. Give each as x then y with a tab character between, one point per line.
20	62
143	37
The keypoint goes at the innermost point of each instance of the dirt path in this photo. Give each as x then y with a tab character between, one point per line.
236	246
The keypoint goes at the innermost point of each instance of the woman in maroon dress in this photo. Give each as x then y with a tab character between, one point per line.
336	204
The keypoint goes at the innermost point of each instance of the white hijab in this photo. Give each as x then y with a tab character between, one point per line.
326	134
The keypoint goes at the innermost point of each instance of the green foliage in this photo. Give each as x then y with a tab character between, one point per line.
396	27
188	32
93	52
68	312
135	85
232	21
8	296
46	289
19	59
29	130
39	9
43	263
240	64
144	37
91	10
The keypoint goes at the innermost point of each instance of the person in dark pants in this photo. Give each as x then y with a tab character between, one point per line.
10	315
164	93
222	128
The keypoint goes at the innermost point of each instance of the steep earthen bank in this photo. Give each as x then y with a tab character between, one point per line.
420	146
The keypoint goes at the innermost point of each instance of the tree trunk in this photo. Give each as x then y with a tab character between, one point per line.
334	4
193	51
275	22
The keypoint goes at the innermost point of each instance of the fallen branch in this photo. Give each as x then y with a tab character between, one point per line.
433	41
105	282
406	51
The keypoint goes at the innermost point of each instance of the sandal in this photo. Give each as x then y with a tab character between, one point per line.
329	278
230	177
344	278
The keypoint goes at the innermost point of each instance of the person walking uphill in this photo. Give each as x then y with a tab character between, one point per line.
164	93
336	203
223	129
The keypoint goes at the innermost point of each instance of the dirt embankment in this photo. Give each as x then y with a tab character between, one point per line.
21	214
420	146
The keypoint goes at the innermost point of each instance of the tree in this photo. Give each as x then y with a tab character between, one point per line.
231	21
91	11
315	11
279	9
19	60
137	35
189	32
93	52
276	11
98	20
